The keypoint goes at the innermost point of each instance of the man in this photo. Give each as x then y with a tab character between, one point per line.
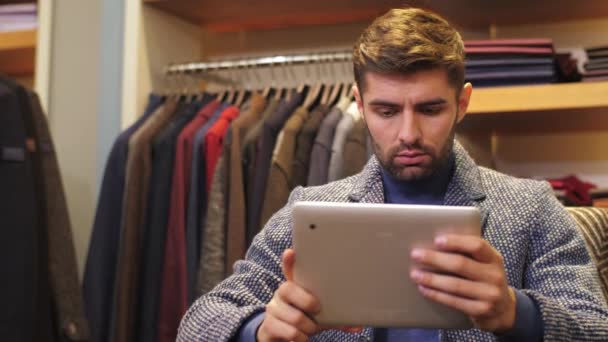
530	277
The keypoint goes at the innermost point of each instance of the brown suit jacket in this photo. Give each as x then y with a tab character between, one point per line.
280	177
236	219
304	143
65	286
355	150
135	200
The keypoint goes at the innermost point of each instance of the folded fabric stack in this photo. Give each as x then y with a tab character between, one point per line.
18	17
510	62
596	68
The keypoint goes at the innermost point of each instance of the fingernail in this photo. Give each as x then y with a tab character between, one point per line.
417	254
416	275
441	241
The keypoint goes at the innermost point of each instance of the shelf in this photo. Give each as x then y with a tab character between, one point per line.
540	98
17	52
232	16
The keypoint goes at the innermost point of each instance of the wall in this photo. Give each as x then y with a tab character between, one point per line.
73	88
153	39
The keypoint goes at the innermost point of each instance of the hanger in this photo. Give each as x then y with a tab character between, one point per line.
283	91
327	87
201	86
243	90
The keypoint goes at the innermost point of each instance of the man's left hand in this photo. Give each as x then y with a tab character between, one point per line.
468	275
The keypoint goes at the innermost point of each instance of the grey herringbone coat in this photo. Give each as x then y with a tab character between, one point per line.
544	256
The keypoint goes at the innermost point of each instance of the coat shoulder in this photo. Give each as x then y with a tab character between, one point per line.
337	191
513	189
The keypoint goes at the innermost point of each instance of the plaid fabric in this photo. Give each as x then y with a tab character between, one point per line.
593	224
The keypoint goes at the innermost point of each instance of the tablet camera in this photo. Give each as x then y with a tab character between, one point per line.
312	226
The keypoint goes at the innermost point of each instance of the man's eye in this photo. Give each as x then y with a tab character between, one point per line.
387	112
430	110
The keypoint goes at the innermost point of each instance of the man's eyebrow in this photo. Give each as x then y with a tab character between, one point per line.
432	102
384	103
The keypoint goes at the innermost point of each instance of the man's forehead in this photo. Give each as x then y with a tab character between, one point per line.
423	85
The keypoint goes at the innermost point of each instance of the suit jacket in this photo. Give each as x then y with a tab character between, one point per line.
212	266
214	141
321	149
304	143
270	131
102	257
171	296
250	151
235	234
139	164
280	177
19	209
336	161
197	203
354	155
175	277
154	229
543	252
65	286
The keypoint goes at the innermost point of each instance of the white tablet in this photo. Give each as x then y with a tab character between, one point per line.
355	258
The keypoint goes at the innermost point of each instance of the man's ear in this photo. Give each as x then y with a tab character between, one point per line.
358	98
463	101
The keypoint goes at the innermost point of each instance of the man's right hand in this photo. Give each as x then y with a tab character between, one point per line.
289	314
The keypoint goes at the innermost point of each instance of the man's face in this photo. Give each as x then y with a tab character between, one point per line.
412	120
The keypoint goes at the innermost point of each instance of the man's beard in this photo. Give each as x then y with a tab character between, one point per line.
439	159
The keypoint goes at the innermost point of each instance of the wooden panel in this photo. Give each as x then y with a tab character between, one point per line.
224	16
564	96
17	40
17	53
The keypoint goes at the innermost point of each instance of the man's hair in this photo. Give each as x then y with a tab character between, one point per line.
404	41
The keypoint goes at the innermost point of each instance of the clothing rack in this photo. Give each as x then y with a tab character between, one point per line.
259	62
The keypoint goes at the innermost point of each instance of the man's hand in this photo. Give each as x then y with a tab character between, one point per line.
470	278
289	313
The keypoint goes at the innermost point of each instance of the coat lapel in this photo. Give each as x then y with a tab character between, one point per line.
465	188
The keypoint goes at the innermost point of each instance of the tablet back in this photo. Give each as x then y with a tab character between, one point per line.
355	258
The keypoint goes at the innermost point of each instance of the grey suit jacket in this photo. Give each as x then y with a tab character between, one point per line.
544	255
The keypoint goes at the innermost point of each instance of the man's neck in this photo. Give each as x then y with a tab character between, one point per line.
427	191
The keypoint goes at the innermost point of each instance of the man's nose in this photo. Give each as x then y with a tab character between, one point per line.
409	130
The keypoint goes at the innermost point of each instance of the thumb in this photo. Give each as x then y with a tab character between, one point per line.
289	259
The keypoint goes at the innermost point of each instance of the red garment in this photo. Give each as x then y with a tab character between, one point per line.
214	141
577	191
174	287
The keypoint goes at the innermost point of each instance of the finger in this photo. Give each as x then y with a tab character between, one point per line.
470	307
455	264
456	286
295	295
289	258
476	247
347	329
292	316
282	331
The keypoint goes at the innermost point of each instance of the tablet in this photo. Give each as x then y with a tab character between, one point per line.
355	258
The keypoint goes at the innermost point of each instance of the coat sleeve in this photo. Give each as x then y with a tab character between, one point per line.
218	315
561	277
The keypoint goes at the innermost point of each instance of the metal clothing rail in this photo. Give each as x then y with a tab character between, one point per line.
257	62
